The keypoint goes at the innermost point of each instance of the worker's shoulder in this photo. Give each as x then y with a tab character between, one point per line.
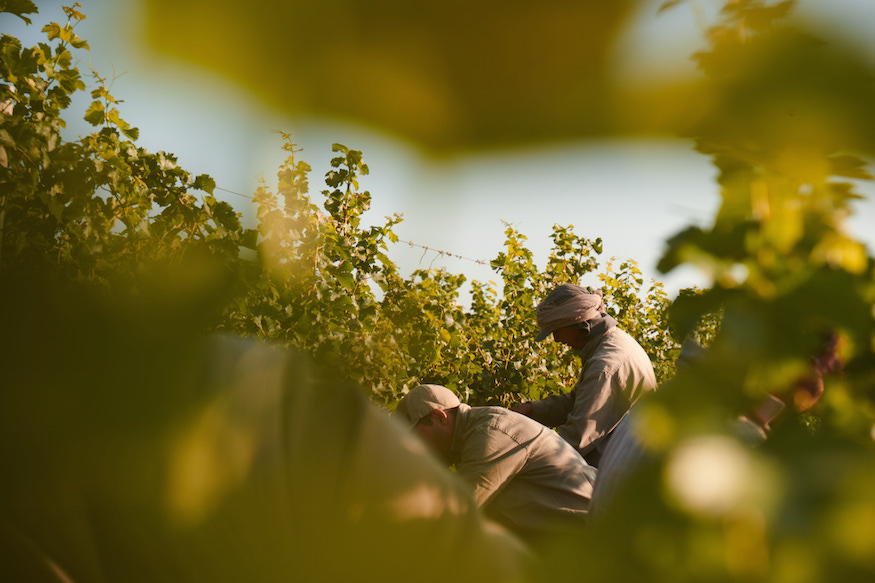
492	419
617	339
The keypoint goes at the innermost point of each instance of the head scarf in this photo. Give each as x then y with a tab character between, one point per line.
567	305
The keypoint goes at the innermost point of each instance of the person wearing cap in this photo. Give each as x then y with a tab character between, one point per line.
524	476
616	370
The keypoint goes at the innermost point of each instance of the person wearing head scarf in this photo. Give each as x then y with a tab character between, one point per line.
616	370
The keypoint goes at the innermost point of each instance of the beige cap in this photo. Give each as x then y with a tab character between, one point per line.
422	399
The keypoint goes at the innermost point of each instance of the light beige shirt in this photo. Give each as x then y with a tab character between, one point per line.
616	372
523	474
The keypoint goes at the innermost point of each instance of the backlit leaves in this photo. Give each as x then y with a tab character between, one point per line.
101	206
787	130
19	8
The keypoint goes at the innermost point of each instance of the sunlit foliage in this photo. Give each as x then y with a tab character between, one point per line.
114	262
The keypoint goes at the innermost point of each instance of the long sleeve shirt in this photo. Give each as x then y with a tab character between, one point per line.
523	474
616	372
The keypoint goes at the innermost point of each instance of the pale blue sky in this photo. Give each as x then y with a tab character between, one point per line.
632	194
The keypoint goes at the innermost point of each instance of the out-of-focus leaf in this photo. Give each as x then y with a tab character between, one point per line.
850	167
668	5
789	90
447	73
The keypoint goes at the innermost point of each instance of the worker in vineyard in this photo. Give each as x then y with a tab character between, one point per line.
523	475
616	370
